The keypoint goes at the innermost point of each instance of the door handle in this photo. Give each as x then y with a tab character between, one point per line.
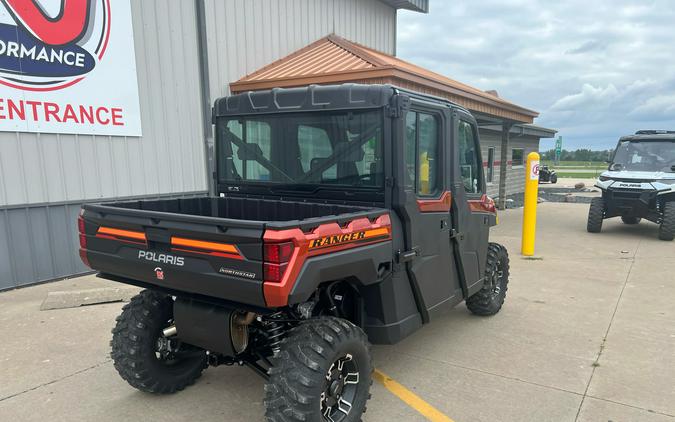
405	256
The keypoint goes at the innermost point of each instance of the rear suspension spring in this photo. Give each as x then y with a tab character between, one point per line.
276	330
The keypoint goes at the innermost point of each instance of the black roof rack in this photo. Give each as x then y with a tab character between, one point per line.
655	132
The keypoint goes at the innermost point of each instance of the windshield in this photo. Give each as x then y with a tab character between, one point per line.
644	156
341	148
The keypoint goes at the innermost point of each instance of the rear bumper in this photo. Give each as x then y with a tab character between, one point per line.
197	277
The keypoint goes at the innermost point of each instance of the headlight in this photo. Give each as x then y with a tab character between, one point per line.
604	178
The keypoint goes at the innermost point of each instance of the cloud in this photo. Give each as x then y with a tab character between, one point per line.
594	75
589	97
586	47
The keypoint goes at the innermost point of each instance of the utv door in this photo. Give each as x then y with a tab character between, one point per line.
471	219
426	208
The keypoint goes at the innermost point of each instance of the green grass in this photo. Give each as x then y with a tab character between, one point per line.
578	175
577	165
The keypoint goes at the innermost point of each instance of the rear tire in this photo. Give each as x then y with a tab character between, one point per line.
324	365
136	347
489	299
667	229
596	214
631	220
554	178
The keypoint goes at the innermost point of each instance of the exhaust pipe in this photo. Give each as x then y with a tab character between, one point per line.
170	331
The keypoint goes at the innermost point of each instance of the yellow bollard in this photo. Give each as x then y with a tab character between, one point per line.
530	204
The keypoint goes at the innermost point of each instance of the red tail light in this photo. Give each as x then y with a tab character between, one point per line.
276	257
278	253
83	241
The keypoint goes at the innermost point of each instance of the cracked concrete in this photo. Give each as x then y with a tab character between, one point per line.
587	334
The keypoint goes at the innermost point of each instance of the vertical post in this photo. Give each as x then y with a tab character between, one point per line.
530	207
205	91
504	159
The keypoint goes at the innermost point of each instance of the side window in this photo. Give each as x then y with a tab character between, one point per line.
517	157
468	158
315	146
421	153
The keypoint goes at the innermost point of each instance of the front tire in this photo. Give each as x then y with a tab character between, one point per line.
667	229
489	299
596	214
323	371
143	356
631	220
554	179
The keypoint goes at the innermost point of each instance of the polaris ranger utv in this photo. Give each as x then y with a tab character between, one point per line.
344	215
640	183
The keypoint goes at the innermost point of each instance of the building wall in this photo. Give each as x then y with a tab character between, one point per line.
245	35
44	178
515	176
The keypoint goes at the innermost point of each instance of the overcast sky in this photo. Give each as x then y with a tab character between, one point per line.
594	69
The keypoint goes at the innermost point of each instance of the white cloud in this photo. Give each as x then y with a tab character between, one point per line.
596	70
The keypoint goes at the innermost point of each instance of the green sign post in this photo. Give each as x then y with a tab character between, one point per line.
558	149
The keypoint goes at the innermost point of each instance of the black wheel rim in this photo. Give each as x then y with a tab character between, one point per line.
342	380
496	278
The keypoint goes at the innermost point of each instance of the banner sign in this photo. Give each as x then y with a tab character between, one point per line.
68	67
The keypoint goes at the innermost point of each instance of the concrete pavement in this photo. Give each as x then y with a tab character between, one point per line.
587	334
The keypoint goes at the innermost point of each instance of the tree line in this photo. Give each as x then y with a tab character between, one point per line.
578	155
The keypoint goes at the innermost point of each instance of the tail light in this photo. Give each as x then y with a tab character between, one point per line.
276	257
83	240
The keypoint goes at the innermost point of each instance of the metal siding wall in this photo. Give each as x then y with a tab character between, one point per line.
245	35
38	241
515	177
38	168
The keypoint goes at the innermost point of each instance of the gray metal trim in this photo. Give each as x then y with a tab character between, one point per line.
205	86
90	201
421	6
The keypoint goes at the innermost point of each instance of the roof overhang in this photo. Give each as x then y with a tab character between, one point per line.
523	130
334	60
414	5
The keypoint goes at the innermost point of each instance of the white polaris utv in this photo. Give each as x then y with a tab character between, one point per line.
640	183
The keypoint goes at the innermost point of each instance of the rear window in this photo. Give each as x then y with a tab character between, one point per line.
335	148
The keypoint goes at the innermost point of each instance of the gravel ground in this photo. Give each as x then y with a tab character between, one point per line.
570	195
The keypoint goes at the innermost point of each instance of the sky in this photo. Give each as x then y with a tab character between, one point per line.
594	69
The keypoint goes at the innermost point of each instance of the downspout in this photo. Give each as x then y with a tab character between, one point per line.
202	51
504	156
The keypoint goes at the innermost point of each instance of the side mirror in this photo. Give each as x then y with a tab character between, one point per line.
672	168
616	167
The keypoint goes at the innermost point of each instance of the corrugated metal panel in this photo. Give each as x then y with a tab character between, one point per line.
169	158
40	243
245	35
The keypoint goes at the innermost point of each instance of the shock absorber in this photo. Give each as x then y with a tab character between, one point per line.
275	330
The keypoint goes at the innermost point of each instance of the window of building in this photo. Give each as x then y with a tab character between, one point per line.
468	158
517	157
490	176
421	153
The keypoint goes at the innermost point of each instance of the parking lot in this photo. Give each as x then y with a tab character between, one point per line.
587	334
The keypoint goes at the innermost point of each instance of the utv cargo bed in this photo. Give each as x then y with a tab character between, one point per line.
205	245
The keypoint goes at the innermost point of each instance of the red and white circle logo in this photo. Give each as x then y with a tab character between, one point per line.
47	45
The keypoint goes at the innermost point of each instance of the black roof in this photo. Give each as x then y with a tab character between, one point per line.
315	98
651	135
